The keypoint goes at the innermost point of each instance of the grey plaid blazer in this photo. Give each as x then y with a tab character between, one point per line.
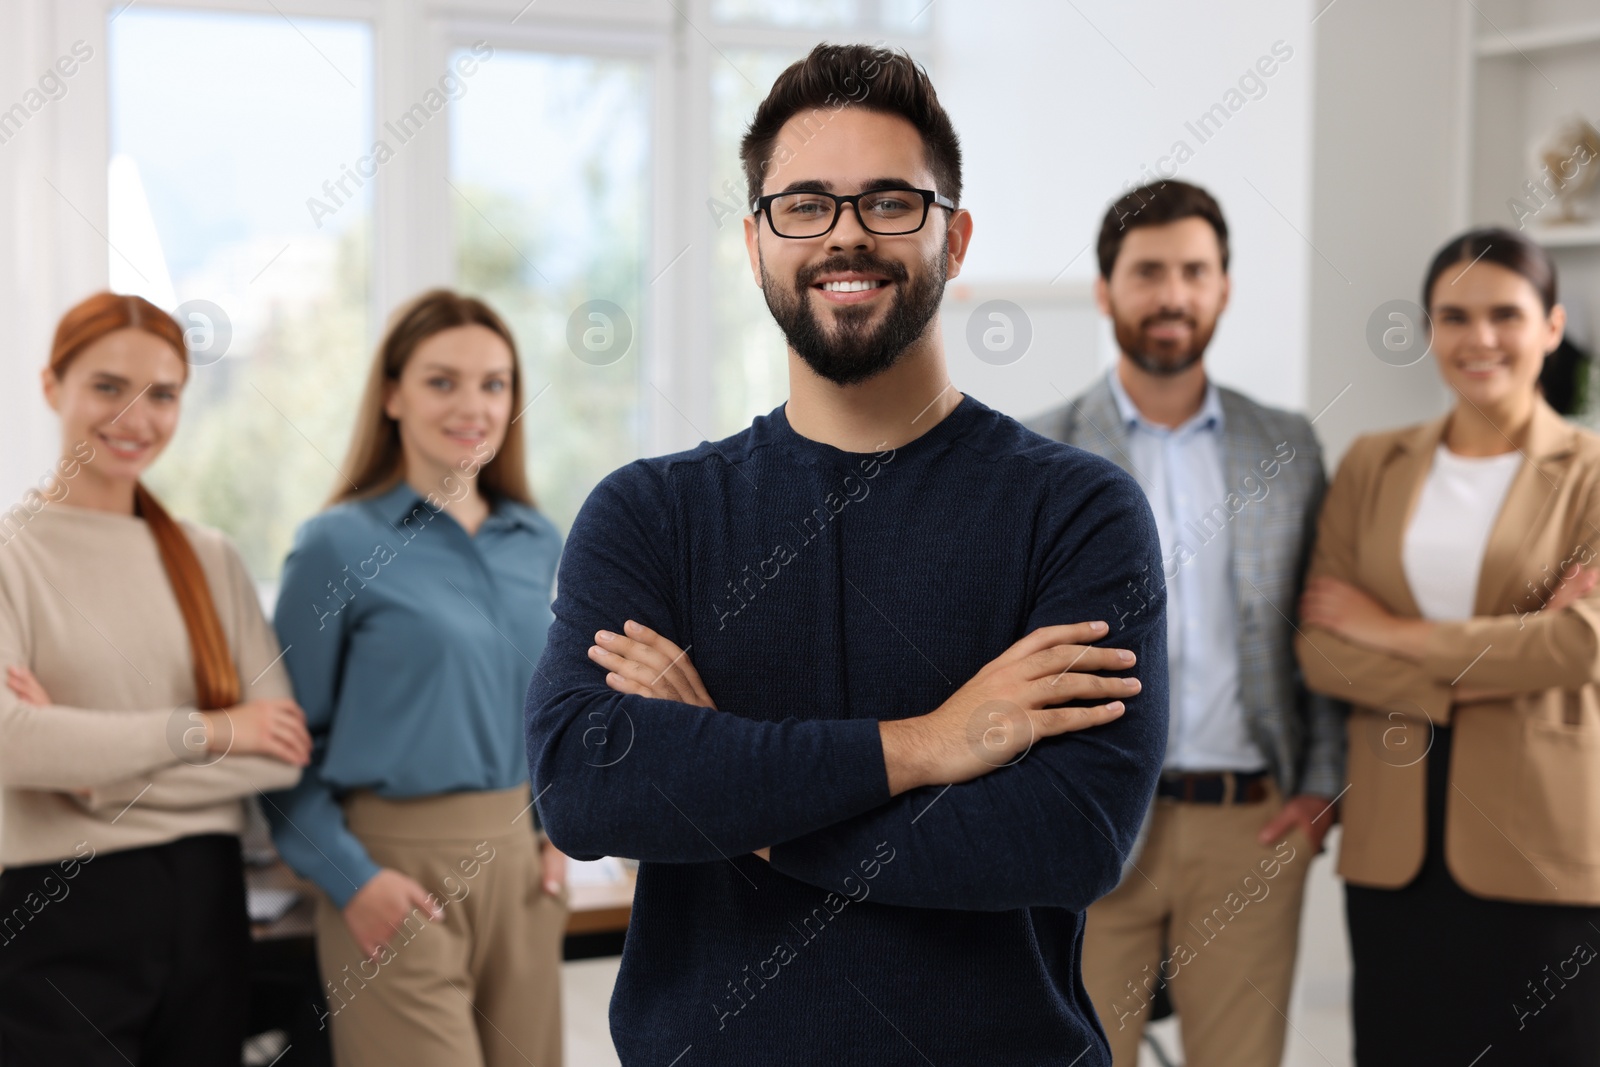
1274	520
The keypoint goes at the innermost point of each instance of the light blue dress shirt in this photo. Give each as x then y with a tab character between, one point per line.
411	645
1181	472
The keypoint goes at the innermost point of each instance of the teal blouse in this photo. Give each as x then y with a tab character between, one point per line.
410	644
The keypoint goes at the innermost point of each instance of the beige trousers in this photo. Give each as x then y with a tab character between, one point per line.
480	987
1215	914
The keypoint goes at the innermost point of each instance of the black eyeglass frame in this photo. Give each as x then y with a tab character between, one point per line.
763	205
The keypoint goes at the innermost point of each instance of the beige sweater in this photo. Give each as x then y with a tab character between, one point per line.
85	604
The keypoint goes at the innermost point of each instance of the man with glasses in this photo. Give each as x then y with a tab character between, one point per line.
856	685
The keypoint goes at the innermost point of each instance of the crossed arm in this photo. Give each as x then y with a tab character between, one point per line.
638	774
1355	648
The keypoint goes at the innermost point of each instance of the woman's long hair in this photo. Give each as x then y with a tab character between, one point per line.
216	679
375	461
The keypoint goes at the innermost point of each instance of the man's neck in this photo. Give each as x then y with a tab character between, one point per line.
887	411
1166	400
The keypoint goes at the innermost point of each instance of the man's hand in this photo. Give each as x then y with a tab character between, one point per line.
992	720
1313	814
989	722
648	665
643	663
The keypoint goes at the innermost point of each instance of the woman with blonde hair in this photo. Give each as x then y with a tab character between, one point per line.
1448	601
412	612
145	698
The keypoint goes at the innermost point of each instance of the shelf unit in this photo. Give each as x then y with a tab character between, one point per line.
1537	39
1528	65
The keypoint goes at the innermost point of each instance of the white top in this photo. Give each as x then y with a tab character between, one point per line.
1445	540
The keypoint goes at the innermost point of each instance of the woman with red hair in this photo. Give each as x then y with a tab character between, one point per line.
145	698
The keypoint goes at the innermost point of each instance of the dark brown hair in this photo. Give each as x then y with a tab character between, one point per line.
1156	205
216	679
835	76
373	464
1502	247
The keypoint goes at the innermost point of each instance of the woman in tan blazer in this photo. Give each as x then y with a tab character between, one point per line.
1448	602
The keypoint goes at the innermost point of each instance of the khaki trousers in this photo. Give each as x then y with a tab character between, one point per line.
1215	914
480	987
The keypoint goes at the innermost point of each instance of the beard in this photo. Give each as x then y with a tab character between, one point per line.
855	350
1162	358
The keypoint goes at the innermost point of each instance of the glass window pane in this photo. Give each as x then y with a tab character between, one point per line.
898	16
235	143
805	14
907	16
750	372
550	169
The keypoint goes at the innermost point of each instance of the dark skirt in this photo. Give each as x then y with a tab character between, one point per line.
134	957
1443	976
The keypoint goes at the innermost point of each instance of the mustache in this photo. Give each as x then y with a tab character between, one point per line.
1168	316
860	264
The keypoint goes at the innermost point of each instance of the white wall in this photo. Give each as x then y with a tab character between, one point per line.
1073	100
1385	196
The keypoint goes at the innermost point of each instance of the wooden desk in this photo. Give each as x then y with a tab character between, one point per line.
298	921
601	909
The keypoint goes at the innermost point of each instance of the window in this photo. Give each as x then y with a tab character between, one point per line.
750	371
233	138
549	188
565	180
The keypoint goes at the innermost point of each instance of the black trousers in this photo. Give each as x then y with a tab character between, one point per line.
1442	976
138	957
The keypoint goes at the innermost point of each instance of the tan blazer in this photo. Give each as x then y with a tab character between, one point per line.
1523	814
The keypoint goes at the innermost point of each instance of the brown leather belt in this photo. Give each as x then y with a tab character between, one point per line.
1217	787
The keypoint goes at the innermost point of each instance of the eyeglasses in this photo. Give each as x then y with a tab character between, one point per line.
885	212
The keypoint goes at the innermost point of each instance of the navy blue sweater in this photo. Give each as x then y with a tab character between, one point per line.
818	591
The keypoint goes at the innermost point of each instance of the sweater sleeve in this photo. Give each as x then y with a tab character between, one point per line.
649	779
1053	828
183	786
308	826
57	747
256	657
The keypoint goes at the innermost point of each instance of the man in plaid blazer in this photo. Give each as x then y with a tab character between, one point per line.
1209	903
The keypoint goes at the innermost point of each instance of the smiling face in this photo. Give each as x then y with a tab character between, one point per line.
120	394
1166	291
851	303
452	402
1491	333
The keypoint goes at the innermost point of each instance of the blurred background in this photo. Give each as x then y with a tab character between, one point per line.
283	173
